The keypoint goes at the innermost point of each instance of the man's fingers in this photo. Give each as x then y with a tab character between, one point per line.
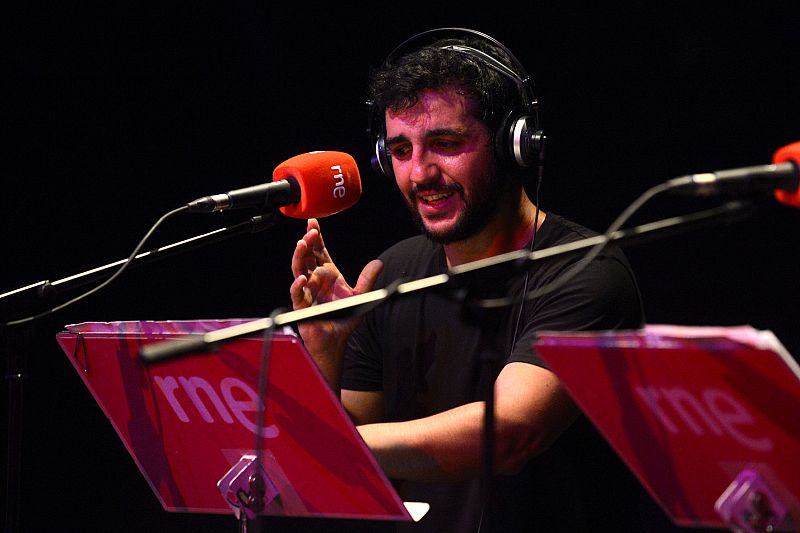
299	293
316	243
300	259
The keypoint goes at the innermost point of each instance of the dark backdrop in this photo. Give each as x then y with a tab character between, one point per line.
117	113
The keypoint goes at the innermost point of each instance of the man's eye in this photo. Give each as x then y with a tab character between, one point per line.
447	145
400	151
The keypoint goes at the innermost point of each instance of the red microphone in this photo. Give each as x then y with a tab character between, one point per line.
781	178
789	154
329	182
311	185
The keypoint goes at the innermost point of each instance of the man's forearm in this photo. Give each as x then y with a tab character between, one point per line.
531	411
446	446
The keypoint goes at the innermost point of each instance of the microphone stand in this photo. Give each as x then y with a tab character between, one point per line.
460	282
14	342
46	288
457	278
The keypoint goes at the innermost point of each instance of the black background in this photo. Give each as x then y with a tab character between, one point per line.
116	113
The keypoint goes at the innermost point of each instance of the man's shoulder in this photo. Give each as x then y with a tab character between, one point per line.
559	230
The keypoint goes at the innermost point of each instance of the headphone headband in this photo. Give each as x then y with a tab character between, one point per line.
518	75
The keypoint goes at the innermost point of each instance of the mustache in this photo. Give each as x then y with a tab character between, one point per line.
455	188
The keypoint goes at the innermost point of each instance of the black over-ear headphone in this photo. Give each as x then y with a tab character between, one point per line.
518	140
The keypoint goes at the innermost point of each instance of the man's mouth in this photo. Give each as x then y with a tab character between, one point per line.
434	199
434	196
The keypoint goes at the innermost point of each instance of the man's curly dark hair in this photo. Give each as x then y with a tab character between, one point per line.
397	84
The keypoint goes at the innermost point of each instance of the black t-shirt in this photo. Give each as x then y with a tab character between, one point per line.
426	352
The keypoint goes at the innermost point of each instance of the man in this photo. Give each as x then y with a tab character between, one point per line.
411	373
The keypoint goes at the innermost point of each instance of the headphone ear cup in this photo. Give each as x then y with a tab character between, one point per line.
381	159
519	142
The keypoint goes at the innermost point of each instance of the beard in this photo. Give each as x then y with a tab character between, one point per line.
483	205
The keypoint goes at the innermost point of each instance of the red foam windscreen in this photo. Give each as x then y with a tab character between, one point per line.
329	183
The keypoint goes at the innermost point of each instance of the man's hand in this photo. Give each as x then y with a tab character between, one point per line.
317	280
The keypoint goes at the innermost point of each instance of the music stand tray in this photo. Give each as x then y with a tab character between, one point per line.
190	423
705	417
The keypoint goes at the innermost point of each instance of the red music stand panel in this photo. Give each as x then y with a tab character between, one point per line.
692	411
187	421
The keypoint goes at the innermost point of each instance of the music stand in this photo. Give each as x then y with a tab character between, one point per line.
706	418
190	423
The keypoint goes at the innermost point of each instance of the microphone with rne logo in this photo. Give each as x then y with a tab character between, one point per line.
329	183
310	185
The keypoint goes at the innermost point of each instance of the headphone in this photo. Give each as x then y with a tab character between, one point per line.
518	140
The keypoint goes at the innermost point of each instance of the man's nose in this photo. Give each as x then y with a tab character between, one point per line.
424	167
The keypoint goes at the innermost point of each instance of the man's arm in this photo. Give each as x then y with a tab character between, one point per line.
531	410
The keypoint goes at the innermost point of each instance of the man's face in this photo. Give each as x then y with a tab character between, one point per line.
444	165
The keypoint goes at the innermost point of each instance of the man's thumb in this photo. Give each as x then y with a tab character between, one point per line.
366	280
